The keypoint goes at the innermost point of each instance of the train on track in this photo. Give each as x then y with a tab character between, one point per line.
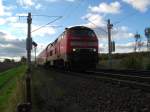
75	48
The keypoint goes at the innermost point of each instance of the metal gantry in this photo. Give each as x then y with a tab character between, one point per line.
147	34
137	42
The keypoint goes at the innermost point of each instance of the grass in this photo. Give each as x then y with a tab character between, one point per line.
45	90
10	85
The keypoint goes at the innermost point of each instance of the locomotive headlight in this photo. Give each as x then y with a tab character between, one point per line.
94	50
74	49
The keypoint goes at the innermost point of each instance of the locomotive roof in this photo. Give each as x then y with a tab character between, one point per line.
79	27
71	28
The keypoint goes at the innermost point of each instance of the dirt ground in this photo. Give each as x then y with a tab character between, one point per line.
6	66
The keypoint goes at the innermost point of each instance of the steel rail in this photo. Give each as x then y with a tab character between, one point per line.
108	78
124	80
145	73
121	76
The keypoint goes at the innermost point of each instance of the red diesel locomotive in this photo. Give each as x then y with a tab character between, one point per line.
76	47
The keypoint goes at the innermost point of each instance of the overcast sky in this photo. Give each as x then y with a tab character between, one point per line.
128	17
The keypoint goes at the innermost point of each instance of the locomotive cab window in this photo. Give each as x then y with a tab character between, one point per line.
83	32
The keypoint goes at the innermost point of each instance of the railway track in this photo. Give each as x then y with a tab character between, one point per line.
87	91
131	78
144	73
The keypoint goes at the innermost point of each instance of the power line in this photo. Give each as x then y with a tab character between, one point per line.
54	26
59	17
126	17
74	9
46	16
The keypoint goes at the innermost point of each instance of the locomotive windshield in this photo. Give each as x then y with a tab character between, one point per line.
83	32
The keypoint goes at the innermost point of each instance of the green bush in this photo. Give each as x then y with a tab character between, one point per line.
132	62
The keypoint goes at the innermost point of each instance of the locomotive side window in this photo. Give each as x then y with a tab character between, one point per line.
55	50
51	53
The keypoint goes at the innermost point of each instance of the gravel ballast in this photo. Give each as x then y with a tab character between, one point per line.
56	92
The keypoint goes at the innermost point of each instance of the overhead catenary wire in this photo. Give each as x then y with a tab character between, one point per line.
78	4
125	18
59	17
70	10
46	16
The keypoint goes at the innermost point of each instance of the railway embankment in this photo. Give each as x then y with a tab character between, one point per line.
54	91
12	88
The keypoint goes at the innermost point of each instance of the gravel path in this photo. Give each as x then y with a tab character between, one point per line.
56	92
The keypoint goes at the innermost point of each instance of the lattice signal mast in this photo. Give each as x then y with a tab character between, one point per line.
147	34
137	41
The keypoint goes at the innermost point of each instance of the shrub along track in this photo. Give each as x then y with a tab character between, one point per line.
57	92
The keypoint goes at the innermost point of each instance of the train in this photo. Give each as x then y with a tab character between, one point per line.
75	48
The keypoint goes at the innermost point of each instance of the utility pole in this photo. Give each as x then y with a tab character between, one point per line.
109	27
26	107
29	48
29	41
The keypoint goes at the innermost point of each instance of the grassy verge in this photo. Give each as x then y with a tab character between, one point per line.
11	88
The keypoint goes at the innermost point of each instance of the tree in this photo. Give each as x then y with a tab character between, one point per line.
7	60
23	59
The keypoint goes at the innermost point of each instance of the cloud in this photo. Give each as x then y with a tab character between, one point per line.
5	10
26	3
141	5
129	47
94	20
122	48
8	20
121	32
38	6
43	31
60	0
112	8
2	21
97	22
117	33
40	48
6	35
11	47
1	8
119	48
22	27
